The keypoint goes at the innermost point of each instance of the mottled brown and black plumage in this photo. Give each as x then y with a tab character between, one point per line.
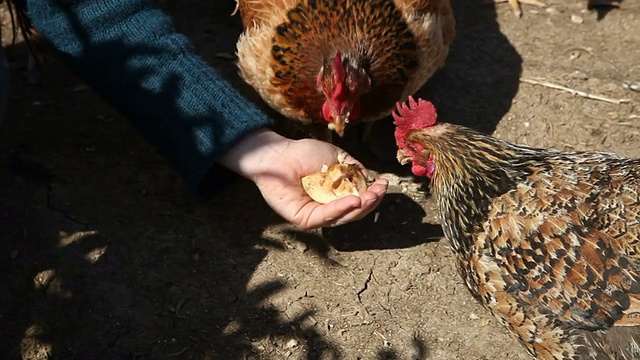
387	48
547	241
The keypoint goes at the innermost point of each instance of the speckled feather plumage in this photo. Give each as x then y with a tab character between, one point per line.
547	241
400	43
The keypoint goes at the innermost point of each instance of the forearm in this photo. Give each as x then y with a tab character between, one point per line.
129	53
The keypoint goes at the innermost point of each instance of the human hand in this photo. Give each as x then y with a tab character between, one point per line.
276	165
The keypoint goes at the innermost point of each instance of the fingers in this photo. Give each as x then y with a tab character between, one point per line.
344	210
314	215
379	187
369	201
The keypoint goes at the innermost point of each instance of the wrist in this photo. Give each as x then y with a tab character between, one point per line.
253	152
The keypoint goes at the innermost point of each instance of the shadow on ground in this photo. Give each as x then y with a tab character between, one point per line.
105	256
402	225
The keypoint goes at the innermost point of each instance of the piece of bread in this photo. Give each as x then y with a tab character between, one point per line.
334	182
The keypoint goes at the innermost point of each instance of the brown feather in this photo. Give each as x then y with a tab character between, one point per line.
425	7
260	12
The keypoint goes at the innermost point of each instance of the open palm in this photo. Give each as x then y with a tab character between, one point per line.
276	165
281	187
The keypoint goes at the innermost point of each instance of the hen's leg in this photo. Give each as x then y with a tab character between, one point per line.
515	4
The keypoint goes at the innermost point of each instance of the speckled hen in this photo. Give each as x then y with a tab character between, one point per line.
548	241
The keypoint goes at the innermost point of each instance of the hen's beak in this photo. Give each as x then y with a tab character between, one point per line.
339	123
402	158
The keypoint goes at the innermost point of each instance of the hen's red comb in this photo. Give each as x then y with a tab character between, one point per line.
338	68
417	115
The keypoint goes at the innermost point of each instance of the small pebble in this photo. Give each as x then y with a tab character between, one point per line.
576	19
574	55
291	344
552	11
302	247
473	316
579	75
633	86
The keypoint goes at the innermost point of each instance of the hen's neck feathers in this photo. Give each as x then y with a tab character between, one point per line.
470	170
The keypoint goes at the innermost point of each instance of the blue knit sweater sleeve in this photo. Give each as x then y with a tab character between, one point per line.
130	54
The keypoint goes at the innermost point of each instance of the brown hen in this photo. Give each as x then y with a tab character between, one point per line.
332	62
548	241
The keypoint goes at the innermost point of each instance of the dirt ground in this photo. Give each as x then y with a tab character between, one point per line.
104	253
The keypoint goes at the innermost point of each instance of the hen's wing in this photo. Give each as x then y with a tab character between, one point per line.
566	244
438	8
433	27
257	12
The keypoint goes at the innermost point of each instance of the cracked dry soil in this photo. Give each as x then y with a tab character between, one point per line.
105	255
